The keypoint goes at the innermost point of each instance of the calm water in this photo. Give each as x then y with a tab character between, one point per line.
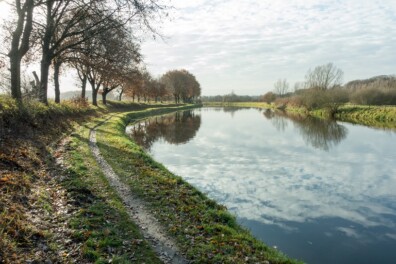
320	191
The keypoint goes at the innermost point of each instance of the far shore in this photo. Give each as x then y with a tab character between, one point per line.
369	115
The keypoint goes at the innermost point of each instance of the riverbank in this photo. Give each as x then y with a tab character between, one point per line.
373	116
58	206
48	213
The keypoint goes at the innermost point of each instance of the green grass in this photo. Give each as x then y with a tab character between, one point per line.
375	116
27	133
102	224
204	230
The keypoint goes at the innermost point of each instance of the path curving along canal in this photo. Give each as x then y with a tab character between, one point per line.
163	245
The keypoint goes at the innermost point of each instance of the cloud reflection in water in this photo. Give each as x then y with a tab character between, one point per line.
292	172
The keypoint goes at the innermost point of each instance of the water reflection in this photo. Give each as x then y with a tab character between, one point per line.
230	109
319	133
334	206
279	121
175	128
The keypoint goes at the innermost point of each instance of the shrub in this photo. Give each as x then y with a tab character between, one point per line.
374	96
80	102
281	102
268	97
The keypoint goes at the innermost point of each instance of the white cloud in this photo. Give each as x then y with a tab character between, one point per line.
246	46
261	41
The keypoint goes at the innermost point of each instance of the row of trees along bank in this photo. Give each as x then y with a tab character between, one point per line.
177	85
97	38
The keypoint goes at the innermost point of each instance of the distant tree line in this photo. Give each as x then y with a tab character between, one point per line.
231	97
323	88
97	38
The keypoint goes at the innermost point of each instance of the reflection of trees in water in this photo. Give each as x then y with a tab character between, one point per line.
320	133
279	122
176	128
231	109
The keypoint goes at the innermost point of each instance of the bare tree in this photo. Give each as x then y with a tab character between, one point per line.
116	56
20	43
324	77
281	87
60	26
299	86
65	25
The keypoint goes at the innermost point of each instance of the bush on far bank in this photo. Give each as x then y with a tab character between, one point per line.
374	96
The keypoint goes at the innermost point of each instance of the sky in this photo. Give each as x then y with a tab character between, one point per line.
246	46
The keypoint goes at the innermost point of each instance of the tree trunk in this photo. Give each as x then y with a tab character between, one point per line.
57	66
120	95
47	53
20	45
15	68
104	96
84	86
36	85
94	96
95	85
45	65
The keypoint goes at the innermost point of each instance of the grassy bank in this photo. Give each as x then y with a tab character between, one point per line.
204	230
374	116
26	134
47	213
101	224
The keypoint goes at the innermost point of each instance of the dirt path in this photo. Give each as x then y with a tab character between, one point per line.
163	245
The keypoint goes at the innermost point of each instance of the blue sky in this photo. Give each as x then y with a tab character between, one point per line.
245	46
